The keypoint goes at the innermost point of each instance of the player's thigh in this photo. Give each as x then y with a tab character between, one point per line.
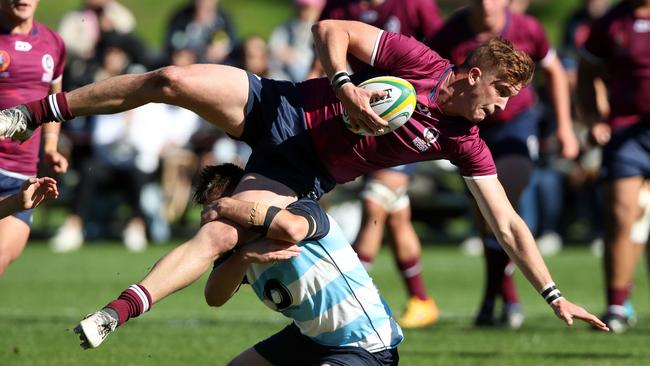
13	237
250	357
218	93
393	179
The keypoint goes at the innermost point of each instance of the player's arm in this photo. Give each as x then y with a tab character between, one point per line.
51	131
517	240
228	273
334	40
592	97
560	98
270	221
32	192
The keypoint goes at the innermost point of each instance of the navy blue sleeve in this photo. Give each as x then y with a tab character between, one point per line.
311	210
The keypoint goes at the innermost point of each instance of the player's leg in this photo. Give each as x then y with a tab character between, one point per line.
373	220
217	93
184	264
250	357
620	258
14	233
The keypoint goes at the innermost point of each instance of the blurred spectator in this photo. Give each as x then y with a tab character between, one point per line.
123	160
81	29
291	46
204	27
254	56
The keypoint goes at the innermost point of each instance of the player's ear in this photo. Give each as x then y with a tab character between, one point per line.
473	75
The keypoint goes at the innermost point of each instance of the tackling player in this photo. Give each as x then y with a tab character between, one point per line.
338	314
301	147
32	58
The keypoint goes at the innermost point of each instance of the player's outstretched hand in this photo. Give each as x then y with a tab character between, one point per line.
268	250
357	103
567	311
36	190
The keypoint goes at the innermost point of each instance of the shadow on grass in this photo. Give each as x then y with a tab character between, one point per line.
483	355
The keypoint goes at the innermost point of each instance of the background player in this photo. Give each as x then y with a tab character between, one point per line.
619	45
32	193
510	134
385	202
356	329
32	58
303	149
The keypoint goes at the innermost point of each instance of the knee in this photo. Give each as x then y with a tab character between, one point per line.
168	79
220	239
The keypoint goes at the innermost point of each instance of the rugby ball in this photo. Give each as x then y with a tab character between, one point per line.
395	107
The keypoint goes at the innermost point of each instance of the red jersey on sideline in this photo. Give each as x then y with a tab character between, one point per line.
29	65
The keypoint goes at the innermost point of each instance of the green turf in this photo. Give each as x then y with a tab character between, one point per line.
43	295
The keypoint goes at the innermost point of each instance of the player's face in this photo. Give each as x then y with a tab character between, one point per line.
18	9
488	94
490	10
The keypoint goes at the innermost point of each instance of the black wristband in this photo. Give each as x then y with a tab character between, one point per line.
268	219
339	79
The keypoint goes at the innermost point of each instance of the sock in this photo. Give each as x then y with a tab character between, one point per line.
496	260
618	296
508	287
412	275
132	302
366	261
54	107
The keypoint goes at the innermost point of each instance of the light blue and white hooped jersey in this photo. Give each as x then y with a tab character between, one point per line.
328	293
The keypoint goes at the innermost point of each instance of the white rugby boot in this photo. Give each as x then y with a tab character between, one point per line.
13	123
94	329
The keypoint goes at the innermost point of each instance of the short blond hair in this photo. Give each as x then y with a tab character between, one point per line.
500	57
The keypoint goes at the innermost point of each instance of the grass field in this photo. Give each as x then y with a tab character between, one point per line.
43	295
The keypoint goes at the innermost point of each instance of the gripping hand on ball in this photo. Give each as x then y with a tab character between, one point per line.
357	103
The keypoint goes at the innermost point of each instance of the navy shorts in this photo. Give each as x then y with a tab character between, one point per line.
516	137
628	153
10	185
289	347
277	132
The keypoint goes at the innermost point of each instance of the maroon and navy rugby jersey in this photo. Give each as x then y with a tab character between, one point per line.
428	135
622	40
455	40
417	18
29	65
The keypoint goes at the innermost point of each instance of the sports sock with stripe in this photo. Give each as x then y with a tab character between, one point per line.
53	107
132	302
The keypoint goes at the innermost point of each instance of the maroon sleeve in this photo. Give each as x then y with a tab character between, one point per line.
540	46
404	56
473	158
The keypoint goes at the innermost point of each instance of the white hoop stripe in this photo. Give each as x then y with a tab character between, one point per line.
143	297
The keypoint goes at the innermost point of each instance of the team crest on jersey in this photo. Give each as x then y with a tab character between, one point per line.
429	137
22	46
4	60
